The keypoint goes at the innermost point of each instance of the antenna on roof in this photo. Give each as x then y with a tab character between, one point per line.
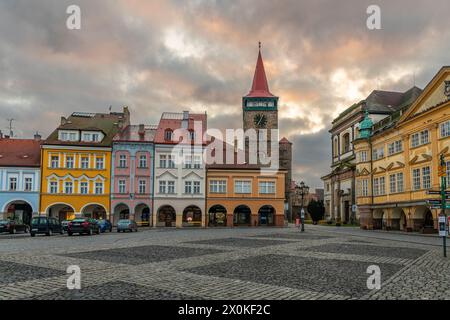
10	126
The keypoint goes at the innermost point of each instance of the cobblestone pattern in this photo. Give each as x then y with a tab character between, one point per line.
249	264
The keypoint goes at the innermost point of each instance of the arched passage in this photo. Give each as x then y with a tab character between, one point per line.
61	211
94	210
423	219
19	210
142	215
217	216
398	219
242	216
266	216
121	211
378	219
166	216
192	216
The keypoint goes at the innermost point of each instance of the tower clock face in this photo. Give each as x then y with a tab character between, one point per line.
260	120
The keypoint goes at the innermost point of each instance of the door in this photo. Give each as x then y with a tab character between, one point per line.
347	211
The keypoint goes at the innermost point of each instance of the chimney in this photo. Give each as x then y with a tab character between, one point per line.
185	121
37	136
120	123
141	130
63	121
1	134
126	114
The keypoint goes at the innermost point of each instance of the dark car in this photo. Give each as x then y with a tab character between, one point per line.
13	226
83	226
65	224
126	225
47	226
105	225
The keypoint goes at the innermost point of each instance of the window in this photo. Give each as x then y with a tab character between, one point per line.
91	137
55	161
346	143
163	187
395	147
382	186
171	161
84	186
84	162
447	179
12	184
68	187
426	178
267	187
218	186
142	161
168	135
28	184
445	129
363	156
196	187
69	162
197	162
122	186
142	186
416	179
393	183
162	161
364	191
424	137
419	138
99	163
376	187
378	153
188	187
171	187
99	188
188	162
192	135
122	161
242	186
53	188
400	182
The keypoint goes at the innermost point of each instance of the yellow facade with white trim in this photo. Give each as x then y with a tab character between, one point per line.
78	188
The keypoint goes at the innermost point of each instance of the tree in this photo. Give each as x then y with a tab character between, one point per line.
316	210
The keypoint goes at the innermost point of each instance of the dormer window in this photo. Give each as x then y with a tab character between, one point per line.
168	135
92	137
66	135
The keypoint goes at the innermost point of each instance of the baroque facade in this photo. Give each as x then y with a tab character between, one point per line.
397	161
339	184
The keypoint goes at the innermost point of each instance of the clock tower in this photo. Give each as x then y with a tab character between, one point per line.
260	106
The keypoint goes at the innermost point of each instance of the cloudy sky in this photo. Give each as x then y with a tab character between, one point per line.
199	55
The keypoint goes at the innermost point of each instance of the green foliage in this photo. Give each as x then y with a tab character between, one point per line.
316	210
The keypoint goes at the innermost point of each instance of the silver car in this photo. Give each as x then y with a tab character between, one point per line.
126	225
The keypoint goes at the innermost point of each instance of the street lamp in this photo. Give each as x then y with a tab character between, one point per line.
303	191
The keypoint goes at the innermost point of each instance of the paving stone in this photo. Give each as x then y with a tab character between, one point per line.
14	272
239	242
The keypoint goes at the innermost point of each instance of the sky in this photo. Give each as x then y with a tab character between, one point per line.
200	55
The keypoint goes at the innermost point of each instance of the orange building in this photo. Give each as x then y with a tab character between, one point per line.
239	195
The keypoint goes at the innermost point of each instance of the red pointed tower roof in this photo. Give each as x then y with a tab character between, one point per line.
260	87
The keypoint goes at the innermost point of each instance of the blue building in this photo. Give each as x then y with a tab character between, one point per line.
20	161
132	174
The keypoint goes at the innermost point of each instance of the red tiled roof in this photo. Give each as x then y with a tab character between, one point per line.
20	152
133	133
173	121
260	87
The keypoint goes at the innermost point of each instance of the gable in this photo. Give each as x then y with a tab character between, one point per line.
433	95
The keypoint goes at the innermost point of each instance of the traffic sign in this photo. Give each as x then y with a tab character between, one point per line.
438	192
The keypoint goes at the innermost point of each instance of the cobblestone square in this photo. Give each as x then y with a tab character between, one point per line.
225	264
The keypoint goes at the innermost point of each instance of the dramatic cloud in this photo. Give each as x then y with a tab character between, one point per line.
199	55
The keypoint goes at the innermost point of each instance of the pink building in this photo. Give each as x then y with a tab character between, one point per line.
132	174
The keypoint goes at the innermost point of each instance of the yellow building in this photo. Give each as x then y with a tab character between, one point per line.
397	161
76	165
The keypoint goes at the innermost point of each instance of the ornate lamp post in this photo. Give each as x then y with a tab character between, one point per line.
303	191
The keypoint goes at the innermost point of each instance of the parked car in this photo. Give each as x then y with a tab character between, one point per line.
83	226
126	225
65	224
47	226
13	226
105	225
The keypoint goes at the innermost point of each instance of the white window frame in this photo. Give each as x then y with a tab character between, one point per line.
267	187
445	129
142	186
218	186
242	186
122	186
83	185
